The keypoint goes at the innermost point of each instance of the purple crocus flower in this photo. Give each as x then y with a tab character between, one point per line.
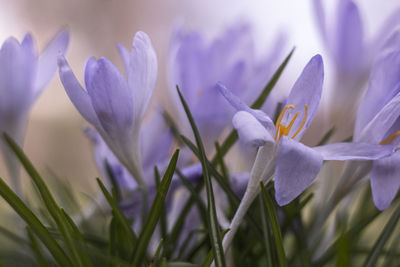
155	145
293	165
23	76
378	122
115	106
196	65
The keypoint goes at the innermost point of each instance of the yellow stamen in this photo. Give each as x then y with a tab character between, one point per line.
284	130
278	121
303	122
390	139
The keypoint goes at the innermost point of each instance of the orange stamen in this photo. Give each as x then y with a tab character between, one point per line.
390	139
303	122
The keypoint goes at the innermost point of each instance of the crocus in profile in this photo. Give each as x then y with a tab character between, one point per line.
196	64
113	104
378	122
281	156
23	76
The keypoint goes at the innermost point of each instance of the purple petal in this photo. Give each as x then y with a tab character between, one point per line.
382	88
348	46
378	127
385	180
47	64
321	19
306	91
251	131
354	151
124	53
28	43
110	95
238	104
296	168
79	97
17	70
155	141
142	73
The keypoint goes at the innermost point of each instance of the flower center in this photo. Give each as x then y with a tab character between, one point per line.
390	139
284	130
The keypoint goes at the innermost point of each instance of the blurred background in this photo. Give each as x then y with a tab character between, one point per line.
55	141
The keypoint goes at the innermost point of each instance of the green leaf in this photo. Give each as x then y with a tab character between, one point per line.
266	233
210	256
215	234
37	250
163	215
154	214
158	253
119	215
275	226
50	203
383	238
34	223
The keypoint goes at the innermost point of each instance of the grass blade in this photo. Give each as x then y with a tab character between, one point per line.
275	226
215	234
118	214
34	223
37	250
50	203
154	214
383	238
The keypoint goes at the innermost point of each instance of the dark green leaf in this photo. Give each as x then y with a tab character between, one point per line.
154	214
215	234
275	226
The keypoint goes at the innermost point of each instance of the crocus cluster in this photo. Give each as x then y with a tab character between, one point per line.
219	79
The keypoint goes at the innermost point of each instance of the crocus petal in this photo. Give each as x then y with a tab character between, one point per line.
296	168
378	127
142	73
349	39
306	91
155	140
354	151
385	180
17	69
251	131
28	43
321	21
110	95
47	64
124	53
238	104
79	97
382	88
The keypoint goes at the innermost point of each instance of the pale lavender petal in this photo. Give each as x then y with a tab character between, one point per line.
17	70
392	22
79	97
238	104
124	53
142	73
378	127
47	64
383	86
296	168
354	151
110	95
348	46
251	131
306	91
321	19
28	43
385	180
